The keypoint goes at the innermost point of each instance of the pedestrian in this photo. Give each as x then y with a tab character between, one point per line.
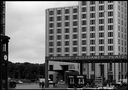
41	82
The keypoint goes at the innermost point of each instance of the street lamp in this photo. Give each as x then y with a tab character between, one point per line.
4	60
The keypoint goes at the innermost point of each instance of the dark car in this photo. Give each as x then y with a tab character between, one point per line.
12	84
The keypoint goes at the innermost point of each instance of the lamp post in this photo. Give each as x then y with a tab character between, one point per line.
4	60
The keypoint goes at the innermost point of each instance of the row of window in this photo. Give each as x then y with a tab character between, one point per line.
83	54
83	29
83	42
75	49
93	2
84	22
75	36
92	15
84	9
122	49
67	11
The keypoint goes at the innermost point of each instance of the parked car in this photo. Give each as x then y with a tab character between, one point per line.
19	82
12	84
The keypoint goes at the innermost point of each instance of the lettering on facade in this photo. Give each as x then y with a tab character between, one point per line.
87	57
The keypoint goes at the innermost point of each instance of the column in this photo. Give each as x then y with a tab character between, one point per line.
46	73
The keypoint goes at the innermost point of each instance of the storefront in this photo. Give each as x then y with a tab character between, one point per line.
88	59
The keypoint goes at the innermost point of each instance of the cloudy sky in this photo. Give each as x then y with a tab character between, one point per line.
25	25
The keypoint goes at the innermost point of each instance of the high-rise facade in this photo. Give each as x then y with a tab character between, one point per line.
91	28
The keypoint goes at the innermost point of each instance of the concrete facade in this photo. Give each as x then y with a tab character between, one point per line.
91	28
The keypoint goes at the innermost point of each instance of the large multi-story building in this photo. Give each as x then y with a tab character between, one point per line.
91	28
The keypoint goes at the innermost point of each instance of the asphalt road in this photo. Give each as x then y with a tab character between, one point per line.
28	86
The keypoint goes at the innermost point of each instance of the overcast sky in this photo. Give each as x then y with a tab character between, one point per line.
25	25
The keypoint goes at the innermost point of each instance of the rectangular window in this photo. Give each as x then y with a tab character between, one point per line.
58	18
58	37
83	16
83	42
74	29
50	67
67	24
92	54
92	2
92	42
75	23
84	35
66	36
83	22
92	8
92	28
66	49
50	43
58	24
110	7
66	11
75	36
110	20
51	19
101	7
101	28
75	17
84	29
101	54
110	53
58	43
66	17
74	49
110	41
51	31
101	34
101	48
101	41
84	2
92	48
110	27
110	1
50	50
75	43
110	66
51	12
84	9
51	25
110	13
58	49
101	2
66	54
101	21
101	14
66	30
58	11
58	30
110	48
84	54
74	55
92	15
92	22
66	43
83	48
92	35
51	37
75	10
110	34
93	66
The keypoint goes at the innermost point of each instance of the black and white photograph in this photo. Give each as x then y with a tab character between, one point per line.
63	45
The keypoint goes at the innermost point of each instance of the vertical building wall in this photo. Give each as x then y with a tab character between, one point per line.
99	28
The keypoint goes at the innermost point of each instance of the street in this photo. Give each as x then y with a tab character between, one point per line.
28	86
